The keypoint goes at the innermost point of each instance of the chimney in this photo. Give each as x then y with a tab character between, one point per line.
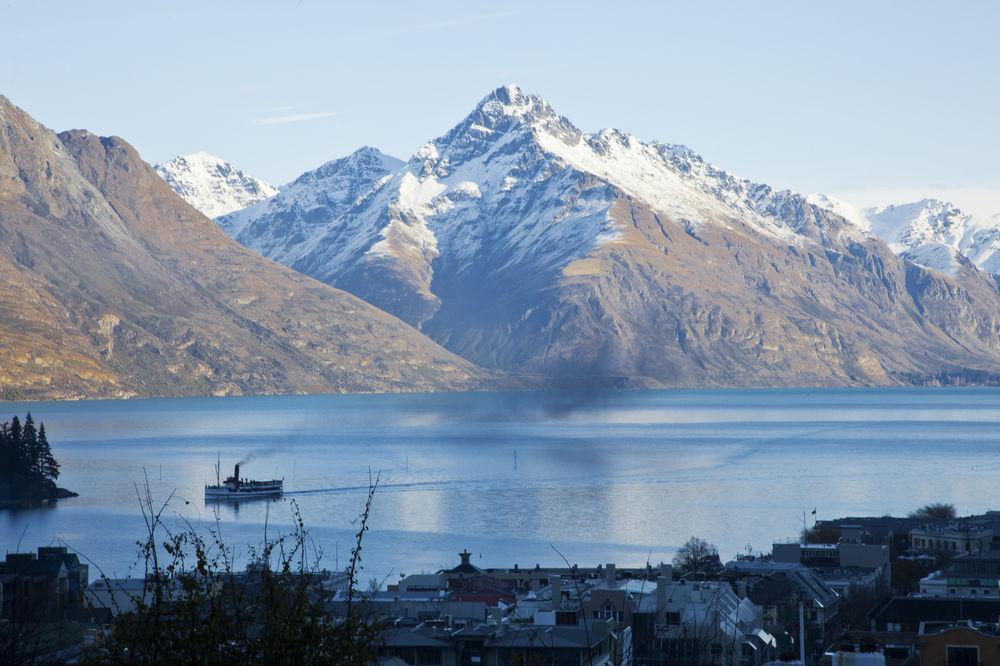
741	588
610	575
556	602
667	571
661	592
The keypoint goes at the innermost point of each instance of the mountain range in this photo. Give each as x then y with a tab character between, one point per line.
212	185
514	250
932	233
529	247
111	285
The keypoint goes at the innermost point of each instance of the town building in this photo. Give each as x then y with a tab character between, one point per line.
791	595
697	622
845	566
960	645
971	534
41	586
971	576
498	644
915	614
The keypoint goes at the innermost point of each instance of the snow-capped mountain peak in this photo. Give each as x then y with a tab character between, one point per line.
212	185
846	210
281	226
908	225
931	233
513	187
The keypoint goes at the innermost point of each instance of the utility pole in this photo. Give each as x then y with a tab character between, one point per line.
802	630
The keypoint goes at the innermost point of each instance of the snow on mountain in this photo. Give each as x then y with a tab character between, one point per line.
514	180
848	211
283	226
212	185
524	244
931	233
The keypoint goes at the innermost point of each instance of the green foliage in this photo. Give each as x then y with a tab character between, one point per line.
858	603
821	533
28	470
907	573
935	512
196	608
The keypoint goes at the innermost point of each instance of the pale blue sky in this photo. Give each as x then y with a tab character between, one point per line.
866	99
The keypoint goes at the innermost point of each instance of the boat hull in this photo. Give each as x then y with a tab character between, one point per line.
224	493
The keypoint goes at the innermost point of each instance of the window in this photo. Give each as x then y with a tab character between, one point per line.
963	655
672	618
428	655
607	614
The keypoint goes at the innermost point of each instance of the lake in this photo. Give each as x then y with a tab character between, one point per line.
623	476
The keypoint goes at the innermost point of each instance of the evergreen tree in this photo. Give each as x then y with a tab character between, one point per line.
18	456
6	450
28	470
49	464
29	439
7	462
15	430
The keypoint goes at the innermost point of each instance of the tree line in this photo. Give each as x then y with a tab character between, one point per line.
27	466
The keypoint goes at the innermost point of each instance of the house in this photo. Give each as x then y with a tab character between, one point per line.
960	645
846	565
500	643
43	586
972	576
855	647
912	614
465	567
587	643
788	593
419	644
696	622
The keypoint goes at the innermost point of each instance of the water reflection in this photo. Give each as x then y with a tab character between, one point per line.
616	476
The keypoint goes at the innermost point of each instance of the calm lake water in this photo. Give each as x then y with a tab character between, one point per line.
620	477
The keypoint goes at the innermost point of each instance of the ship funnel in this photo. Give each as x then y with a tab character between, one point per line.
236	472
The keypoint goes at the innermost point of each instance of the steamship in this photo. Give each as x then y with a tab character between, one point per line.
235	488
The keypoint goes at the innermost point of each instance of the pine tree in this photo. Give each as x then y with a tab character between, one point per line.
29	437
18	456
15	430
27	466
7	461
49	464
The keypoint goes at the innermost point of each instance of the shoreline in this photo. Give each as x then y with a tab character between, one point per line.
34	501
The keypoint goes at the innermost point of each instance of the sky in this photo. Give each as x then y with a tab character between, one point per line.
873	101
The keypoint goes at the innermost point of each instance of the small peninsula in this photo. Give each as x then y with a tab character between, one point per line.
28	470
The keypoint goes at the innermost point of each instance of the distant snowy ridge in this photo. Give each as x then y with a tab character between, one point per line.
931	233
212	185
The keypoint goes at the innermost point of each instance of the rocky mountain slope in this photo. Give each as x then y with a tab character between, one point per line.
212	185
521	243
112	285
282	226
931	233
